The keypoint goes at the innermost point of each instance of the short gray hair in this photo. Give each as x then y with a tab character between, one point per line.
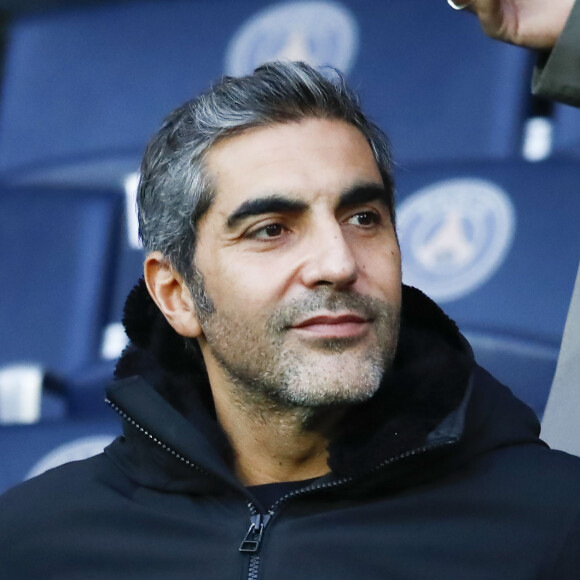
176	190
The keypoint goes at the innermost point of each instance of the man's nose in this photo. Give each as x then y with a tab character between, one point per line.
329	259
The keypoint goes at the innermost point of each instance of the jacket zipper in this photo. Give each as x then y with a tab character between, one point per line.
350	479
163	446
258	522
251	542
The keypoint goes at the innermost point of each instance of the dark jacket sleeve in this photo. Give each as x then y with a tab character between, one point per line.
567	565
557	73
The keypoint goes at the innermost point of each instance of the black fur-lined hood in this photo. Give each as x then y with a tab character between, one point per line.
433	390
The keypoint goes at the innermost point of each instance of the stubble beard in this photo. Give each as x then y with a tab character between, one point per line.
269	368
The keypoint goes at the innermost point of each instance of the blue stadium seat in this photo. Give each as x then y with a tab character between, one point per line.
130	253
28	450
58	268
566	131
438	87
497	244
94	83
119	176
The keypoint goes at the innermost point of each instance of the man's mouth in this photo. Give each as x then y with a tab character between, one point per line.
333	326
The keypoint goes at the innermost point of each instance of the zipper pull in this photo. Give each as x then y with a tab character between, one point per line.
251	542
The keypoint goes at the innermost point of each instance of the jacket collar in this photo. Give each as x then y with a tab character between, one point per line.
419	401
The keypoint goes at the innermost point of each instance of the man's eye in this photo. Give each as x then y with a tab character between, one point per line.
269	231
365	218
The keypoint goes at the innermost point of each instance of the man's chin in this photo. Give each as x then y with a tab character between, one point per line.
326	384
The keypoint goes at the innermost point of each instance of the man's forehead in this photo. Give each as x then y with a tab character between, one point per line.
308	129
291	161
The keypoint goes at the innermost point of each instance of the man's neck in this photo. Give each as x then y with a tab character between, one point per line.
273	444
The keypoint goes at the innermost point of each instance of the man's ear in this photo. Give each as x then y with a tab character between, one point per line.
171	294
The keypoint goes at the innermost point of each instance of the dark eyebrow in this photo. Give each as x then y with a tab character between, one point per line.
262	205
359	193
363	193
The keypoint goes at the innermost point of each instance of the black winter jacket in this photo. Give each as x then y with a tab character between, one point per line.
440	476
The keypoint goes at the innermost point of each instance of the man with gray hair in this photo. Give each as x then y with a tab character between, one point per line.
292	410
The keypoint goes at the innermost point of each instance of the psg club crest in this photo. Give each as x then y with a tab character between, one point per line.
319	33
454	236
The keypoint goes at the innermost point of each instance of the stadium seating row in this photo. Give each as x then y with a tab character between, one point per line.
483	239
439	87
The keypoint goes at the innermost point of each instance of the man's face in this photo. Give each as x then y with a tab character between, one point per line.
300	260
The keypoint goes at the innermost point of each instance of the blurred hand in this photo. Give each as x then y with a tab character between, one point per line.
531	23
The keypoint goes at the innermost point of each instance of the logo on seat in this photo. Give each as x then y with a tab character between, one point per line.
319	33
454	235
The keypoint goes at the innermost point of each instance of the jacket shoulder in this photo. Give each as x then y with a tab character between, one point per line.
46	498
